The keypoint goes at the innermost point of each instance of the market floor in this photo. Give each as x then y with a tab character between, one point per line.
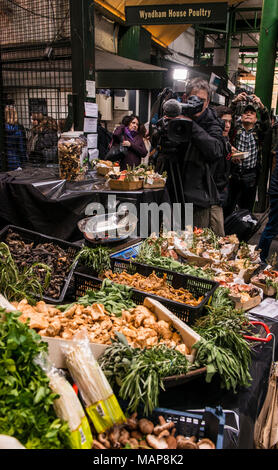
255	240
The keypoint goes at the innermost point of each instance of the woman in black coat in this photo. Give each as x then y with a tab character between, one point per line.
129	135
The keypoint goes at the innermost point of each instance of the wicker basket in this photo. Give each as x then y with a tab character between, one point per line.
103	170
122	185
159	183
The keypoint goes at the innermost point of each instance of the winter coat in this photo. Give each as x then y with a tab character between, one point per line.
15	145
135	152
273	185
206	148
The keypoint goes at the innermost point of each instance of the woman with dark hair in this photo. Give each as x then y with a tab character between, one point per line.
129	134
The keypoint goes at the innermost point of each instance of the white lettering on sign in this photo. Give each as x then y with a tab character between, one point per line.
146	15
200	12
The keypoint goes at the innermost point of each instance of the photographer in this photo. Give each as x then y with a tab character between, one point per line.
247	135
206	146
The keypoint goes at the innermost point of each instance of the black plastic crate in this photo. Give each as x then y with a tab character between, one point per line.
29	236
187	313
208	423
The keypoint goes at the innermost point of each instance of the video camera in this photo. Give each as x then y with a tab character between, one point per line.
179	128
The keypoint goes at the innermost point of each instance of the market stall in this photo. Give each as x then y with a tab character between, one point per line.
172	338
38	199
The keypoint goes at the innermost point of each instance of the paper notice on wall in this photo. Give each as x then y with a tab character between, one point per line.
91	110
92	141
91	88
267	308
90	124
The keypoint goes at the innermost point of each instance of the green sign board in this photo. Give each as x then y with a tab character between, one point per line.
176	14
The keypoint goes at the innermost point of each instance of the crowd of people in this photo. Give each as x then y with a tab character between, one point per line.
219	166
216	167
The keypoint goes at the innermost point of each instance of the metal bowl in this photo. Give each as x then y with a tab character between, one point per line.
108	228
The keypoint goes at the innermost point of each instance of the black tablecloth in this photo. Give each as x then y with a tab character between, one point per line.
38	200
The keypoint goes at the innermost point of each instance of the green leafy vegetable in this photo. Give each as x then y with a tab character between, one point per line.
15	285
114	297
139	372
26	401
98	258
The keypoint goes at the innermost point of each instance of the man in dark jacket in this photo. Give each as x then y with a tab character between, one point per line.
247	135
206	147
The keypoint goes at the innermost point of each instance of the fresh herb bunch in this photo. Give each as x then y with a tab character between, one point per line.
221	298
139	372
98	258
223	349
272	283
114	297
26	401
15	285
150	254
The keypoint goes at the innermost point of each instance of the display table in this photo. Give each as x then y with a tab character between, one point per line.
37	199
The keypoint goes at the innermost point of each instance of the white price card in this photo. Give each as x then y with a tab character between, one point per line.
267	308
92	141
90	124
91	110
91	88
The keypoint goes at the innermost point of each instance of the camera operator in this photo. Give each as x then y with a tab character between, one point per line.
206	146
247	135
168	154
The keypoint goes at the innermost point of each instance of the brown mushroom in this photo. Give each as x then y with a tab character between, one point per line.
97	445
137	435
134	444
132	421
205	444
185	443
114	436
145	426
156	443
163	426
102	437
124	437
171	440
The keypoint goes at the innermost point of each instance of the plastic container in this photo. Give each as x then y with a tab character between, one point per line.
208	423
29	236
71	153
187	313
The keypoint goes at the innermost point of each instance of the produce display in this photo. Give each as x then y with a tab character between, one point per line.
154	285
139	325
97	259
26	399
201	253
48	263
139	372
268	281
141	349
105	166
135	178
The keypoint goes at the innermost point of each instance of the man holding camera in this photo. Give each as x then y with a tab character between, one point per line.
207	146
247	136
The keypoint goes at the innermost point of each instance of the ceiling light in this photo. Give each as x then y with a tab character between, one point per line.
180	74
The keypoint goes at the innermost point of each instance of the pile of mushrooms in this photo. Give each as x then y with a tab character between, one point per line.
143	434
